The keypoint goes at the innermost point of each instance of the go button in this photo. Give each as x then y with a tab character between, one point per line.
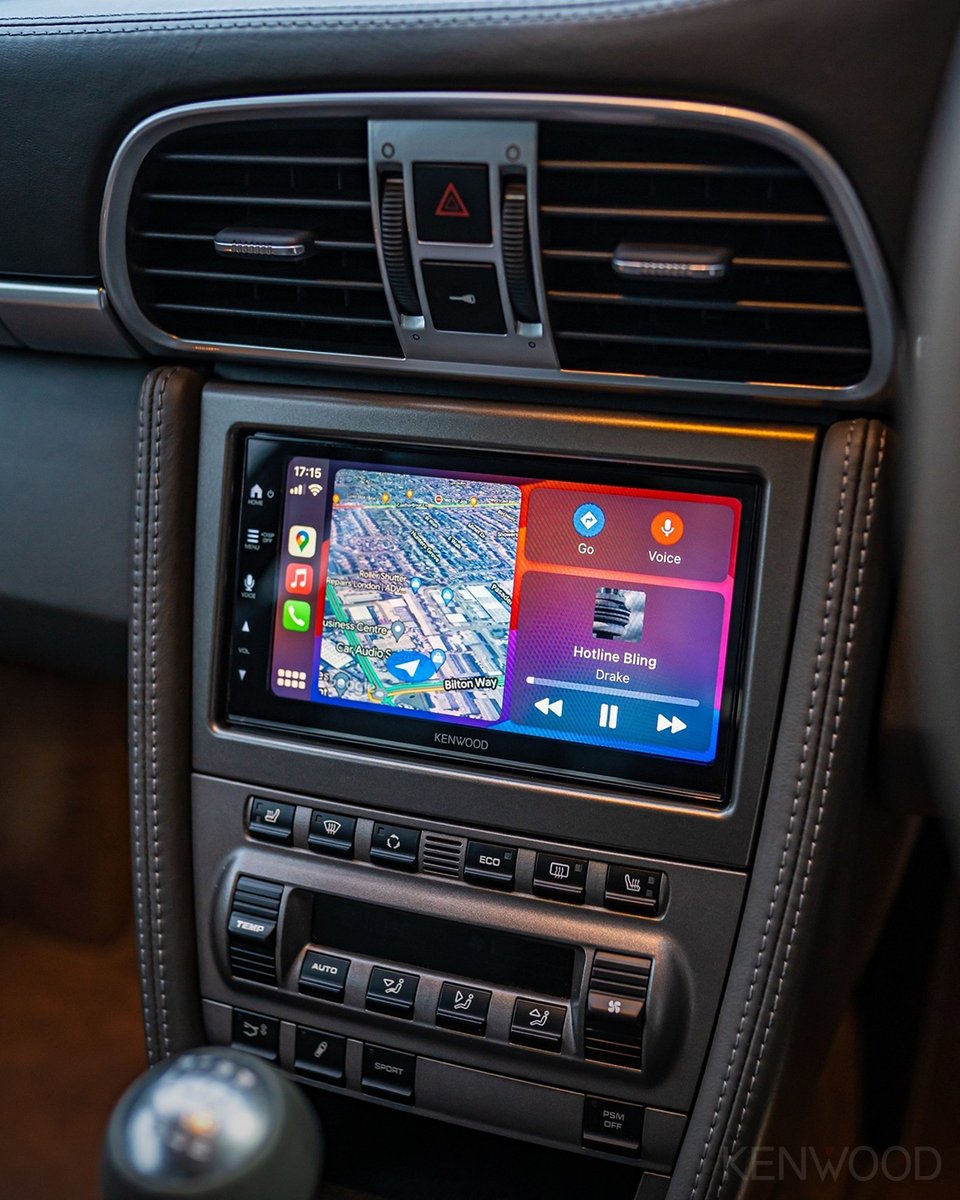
589	520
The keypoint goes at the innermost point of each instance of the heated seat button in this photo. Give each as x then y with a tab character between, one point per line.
612	1125
490	865
392	991
256	1033
271	821
388	1073
633	889
324	975
463	297
395	846
332	833
560	878
452	202
464	1008
320	1055
538	1024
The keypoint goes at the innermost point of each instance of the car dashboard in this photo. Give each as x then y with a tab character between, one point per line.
482	422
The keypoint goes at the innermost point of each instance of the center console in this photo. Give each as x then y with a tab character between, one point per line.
484	703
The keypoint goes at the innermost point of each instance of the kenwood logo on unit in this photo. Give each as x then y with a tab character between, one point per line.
462	743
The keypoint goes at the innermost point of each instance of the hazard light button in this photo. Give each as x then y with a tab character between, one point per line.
452	202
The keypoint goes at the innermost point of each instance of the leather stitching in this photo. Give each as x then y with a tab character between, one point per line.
848	649
155	814
798	793
136	656
384	18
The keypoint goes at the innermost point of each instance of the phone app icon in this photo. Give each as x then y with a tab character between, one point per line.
302	542
296	616
299	580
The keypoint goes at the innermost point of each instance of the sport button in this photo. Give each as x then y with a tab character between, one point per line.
452	202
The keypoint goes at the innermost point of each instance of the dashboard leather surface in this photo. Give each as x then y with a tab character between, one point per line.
160	617
75	81
812	804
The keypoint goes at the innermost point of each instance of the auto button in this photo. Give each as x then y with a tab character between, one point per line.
324	975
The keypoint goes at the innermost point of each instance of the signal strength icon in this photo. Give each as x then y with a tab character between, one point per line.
297	490
314	488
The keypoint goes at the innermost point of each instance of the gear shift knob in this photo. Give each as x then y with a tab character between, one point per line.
213	1124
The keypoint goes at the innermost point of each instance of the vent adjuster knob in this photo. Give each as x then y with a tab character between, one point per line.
516	253
396	248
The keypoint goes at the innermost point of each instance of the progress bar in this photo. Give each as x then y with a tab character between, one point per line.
656	697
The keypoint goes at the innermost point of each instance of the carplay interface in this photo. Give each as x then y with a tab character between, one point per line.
591	615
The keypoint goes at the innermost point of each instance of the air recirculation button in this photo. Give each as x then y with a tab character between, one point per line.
516	253
394	237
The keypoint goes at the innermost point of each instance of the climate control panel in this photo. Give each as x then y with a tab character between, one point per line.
422	963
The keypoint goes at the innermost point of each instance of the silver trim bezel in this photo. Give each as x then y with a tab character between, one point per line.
837	191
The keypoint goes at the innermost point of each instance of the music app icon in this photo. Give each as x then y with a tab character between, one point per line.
299	581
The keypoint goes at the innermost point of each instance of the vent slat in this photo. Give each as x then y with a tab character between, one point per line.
268	201
717	306
179	236
266	315
781	264
706	343
282	160
296	174
682	214
293	281
666	167
788	309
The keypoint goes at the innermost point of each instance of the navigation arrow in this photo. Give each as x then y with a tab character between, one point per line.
410	667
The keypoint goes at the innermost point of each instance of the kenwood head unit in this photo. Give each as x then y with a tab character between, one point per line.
554	615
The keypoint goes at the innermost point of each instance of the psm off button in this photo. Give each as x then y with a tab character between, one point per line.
612	1125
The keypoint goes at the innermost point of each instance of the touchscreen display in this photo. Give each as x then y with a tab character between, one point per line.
471	610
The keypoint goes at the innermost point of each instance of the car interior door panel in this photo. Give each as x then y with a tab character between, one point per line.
461	445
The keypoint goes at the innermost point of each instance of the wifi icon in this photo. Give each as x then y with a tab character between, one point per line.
314	488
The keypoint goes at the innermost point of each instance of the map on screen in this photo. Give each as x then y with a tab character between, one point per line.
419	591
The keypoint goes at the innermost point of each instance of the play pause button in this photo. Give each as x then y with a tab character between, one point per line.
609	716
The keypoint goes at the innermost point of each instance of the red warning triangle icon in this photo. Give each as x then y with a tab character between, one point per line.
451	204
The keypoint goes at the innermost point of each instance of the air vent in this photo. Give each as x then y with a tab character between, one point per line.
289	204
440	855
730	264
